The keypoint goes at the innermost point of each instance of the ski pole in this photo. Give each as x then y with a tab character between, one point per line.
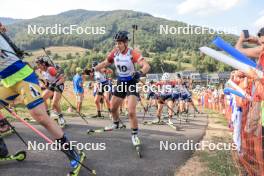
51	61
26	123
144	108
170	108
74	108
18	135
81	115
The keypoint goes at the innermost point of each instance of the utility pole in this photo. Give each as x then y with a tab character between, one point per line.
135	27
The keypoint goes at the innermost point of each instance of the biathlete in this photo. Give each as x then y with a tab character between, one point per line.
124	59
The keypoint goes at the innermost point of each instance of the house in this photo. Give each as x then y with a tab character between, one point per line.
214	78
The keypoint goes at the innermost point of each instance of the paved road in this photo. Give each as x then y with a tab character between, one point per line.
118	158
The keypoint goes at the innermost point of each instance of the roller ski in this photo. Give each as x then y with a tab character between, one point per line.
77	166
137	145
186	117
29	120
154	122
19	156
98	115
106	129
173	126
4	156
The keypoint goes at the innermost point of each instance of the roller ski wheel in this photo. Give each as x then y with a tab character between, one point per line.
147	123
91	131
19	156
29	120
137	145
138	150
76	171
172	126
96	116
122	126
101	130
175	127
153	123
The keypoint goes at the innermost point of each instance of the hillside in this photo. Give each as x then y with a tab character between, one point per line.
179	51
148	35
8	21
60	50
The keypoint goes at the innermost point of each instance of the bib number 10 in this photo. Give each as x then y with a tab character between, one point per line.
122	68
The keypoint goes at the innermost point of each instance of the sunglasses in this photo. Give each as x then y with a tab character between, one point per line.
241	77
260	34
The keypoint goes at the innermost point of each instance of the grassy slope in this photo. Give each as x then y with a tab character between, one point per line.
64	50
60	50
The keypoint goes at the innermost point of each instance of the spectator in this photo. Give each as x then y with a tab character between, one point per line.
78	88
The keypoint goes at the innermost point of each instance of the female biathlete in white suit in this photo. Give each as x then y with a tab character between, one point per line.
124	59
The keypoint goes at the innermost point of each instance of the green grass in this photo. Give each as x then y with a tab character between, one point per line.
60	50
185	66
222	122
220	118
219	162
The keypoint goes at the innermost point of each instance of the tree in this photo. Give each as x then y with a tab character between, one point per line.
179	66
73	68
83	63
145	53
194	60
69	56
87	53
56	56
48	52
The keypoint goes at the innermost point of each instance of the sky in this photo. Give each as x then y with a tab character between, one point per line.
220	14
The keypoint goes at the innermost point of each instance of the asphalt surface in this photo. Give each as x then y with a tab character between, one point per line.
119	157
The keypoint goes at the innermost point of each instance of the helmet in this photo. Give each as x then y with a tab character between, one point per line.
178	75
94	63
78	70
42	60
261	32
121	36
165	77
